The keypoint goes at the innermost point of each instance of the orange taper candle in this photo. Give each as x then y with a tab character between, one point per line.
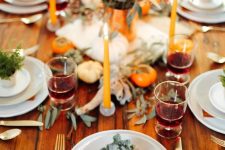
52	11
173	20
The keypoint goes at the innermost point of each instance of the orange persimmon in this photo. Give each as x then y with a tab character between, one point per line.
143	76
61	45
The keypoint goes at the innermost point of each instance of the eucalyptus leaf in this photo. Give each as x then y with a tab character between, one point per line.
74	122
131	116
54	115
132	110
151	114
142	120
48	119
132	89
40	119
87	123
138	104
88	118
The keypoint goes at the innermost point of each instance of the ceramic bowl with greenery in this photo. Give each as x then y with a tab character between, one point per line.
10	63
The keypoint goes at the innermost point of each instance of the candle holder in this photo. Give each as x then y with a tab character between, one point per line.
53	27
107	111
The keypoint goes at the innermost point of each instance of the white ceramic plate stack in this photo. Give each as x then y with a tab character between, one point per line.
205	95
23	6
99	140
204	13
29	91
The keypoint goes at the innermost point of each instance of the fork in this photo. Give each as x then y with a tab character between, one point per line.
60	142
218	141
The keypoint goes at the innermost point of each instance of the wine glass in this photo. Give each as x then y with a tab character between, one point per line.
180	56
62	82
171	102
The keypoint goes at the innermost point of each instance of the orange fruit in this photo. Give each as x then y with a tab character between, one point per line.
143	76
61	45
182	45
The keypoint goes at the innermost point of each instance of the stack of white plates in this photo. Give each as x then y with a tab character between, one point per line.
23	6
29	91
204	13
207	94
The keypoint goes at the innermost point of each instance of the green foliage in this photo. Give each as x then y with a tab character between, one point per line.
222	78
9	63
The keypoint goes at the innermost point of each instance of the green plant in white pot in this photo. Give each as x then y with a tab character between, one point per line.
10	63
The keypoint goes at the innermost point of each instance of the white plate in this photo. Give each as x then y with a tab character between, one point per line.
99	140
212	123
22	10
201	89
37	80
186	4
25	3
24	107
217	96
22	81
206	4
203	18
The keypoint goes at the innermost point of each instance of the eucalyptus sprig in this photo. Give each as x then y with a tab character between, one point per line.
87	119
51	116
41	109
222	78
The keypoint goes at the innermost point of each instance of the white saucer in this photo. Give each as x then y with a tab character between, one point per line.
206	4
200	17
37	81
217	96
186	4
22	81
210	122
22	10
24	107
200	92
25	3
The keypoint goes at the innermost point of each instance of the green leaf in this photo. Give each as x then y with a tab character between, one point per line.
222	80
151	114
132	110
54	115
48	119
74	122
40	120
88	118
142	120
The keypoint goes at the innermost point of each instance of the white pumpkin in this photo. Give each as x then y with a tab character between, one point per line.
89	71
118	48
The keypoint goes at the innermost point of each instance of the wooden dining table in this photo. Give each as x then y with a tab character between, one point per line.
195	135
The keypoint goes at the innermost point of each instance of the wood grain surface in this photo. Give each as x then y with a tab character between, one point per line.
195	136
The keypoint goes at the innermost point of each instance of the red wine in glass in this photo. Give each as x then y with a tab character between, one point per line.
179	62
61	4
62	88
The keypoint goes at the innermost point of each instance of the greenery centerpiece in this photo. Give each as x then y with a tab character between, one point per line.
10	62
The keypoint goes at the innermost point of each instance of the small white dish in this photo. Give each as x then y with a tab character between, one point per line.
37	80
217	96
206	4
22	82
99	140
13	9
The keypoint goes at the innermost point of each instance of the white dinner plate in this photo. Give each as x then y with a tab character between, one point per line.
99	140
210	122
217	96
186	4
25	3
200	17
37	80
201	89
22	81
24	107
8	8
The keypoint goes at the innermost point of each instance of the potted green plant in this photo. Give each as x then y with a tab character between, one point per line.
10	63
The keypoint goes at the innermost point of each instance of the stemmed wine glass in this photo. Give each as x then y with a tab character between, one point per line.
180	56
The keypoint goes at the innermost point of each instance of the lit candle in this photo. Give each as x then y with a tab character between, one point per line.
173	20
52	11
106	69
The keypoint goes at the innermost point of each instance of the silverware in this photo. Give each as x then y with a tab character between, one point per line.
218	141
216	57
25	20
60	142
178	144
10	134
21	123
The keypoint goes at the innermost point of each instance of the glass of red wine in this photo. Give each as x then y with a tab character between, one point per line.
180	56
171	102
62	82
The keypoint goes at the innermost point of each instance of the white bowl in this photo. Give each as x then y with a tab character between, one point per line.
217	96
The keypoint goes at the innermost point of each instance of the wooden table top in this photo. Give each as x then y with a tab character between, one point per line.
195	136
